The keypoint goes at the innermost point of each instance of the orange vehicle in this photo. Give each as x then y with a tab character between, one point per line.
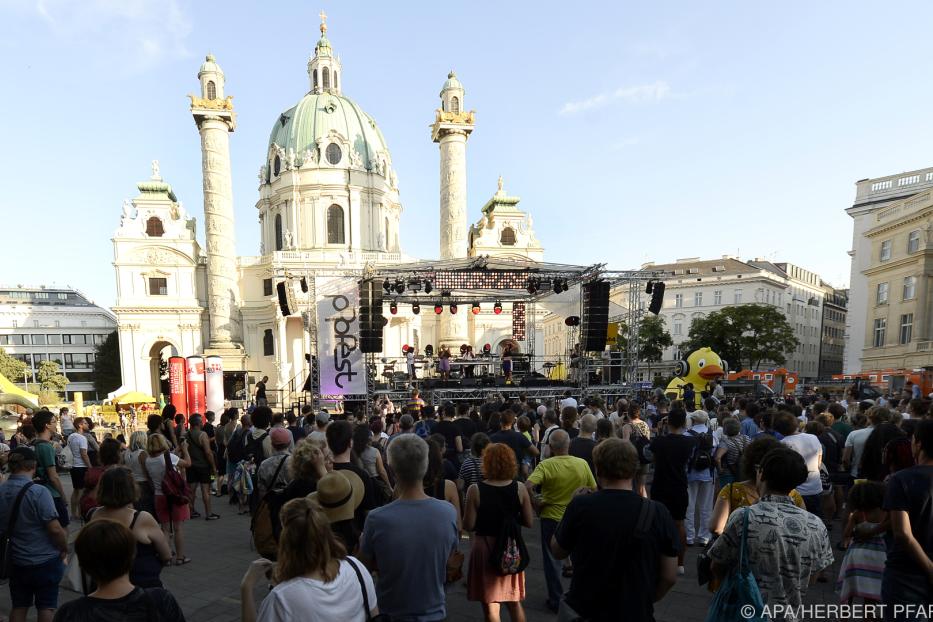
894	380
778	380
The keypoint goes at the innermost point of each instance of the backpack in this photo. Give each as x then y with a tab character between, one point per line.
642	445
702	458
424	428
254	449
509	553
174	486
236	447
733	467
265	524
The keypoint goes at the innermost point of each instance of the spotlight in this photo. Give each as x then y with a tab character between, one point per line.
497	308
427	287
438	308
475	309
393	308
533	285
387	286
557	288
429	350
453	308
415	308
399	286
565	286
487	348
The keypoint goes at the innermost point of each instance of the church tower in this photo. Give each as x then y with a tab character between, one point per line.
324	69
214	116
452	126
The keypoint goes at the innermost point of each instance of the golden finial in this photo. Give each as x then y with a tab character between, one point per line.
323	17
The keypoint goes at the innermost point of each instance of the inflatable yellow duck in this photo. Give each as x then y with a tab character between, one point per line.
699	369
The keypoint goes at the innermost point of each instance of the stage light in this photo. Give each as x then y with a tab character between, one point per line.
399	286
427	287
487	348
557	288
475	309
393	308
429	350
415	308
405	348
532	285
387	286
497	308
573	320
565	286
438	308
453	308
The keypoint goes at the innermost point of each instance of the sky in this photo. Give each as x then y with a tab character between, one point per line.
632	132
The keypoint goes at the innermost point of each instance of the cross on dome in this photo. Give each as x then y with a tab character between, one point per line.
323	17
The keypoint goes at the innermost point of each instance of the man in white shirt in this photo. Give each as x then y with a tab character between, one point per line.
568	400
77	443
855	441
810	448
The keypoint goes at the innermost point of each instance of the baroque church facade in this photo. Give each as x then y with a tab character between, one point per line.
328	205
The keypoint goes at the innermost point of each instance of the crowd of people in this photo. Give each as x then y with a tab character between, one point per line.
361	516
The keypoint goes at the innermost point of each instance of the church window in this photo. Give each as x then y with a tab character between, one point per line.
267	287
335	78
211	90
334	153
278	232
335	233
507	237
268	343
276	166
314	79
326	76
154	227
455	105
158	286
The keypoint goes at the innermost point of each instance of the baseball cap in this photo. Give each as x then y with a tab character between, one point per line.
322	417
280	437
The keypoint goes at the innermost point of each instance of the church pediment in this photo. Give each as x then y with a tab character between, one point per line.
161	256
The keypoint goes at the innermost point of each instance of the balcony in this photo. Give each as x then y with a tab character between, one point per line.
925	346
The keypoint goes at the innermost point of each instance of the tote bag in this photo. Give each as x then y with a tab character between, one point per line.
738	598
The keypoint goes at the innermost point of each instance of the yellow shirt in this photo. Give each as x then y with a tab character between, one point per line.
744	496
559	477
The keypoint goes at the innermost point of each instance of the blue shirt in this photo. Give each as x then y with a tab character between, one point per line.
749	427
410	542
30	539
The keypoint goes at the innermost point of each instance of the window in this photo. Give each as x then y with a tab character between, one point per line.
335	233
278	232
907	328
678	328
325	74
913	241
678	300
154	227
333	153
885	250
42	295
268	343
717	297
388	235
738	296
267	287
455	105
4	340
17	340
276	166
35	323
507	238
314	80
698	299
335	79
158	286
38	340
99	339
211	90
62	296
881	297
910	287
880	326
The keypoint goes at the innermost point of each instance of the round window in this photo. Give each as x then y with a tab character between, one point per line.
333	153
276	166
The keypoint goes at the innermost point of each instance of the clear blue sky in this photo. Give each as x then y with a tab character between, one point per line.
631	131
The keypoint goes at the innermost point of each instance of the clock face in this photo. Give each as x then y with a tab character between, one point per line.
333	153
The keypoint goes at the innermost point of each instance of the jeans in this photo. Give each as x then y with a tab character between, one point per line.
700	497
552	567
910	590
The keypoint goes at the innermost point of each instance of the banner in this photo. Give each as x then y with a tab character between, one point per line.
342	369
178	396
195	387
214	384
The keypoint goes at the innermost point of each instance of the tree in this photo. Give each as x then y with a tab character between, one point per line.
107	375
50	377
653	338
10	367
744	335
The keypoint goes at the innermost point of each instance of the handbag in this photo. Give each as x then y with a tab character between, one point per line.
6	538
382	617
74	578
738	597
704	562
509	553
174	486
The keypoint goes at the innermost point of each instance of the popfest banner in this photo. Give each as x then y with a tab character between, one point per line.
196	402
339	357
214	383
178	396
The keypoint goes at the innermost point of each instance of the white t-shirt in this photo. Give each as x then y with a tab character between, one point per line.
856	440
156	468
568	401
68	423
311	600
77	442
808	446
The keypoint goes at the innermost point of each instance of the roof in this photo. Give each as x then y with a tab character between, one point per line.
725	266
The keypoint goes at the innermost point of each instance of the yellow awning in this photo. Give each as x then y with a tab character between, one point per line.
134	397
8	387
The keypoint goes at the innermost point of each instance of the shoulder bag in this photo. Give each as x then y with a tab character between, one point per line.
382	617
6	538
738	597
174	486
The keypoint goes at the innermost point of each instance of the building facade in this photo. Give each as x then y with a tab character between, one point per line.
54	324
832	344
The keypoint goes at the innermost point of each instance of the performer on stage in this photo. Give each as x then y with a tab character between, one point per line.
410	362
468	359
507	362
443	363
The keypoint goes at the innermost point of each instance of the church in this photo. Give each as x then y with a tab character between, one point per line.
328	205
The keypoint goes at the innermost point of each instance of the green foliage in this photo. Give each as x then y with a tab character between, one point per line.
50	378
49	398
107	376
744	335
653	338
11	368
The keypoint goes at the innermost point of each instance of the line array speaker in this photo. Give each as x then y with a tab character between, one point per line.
371	318
595	320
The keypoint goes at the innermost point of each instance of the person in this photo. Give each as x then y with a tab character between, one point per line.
202	468
135	460
728	455
811	450
315	578
559	477
786	546
295	427
308	464
908	499
261	399
701	469
321	421
748	416
117	494
269	475
171	516
471	470
38	542
167	425
568	421
110	455
371	460
858	573
855	441
339	440
78	445
507	363
514	439
585	443
443	363
410	363
671	453
618	573
872	464
451	433
490	503
339	493
411	578
66	421
46	469
106	550
567	400
549	422
465	425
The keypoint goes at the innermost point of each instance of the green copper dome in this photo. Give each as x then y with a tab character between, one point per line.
308	125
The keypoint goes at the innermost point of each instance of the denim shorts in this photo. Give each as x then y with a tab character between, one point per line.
36	584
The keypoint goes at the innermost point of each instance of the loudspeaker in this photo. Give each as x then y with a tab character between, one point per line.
286	295
595	320
657	298
371	319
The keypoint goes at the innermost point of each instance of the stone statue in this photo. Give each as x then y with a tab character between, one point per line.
309	157
500	191
290	159
381	241
156	174
262	248
356	160
127	212
262	175
287	237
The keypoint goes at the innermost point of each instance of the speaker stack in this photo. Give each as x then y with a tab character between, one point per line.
595	320
371	318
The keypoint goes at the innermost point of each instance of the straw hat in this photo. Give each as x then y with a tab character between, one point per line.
339	493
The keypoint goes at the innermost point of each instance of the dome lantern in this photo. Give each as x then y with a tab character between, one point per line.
212	79
324	70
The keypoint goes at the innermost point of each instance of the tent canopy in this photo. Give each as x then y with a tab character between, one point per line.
134	397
